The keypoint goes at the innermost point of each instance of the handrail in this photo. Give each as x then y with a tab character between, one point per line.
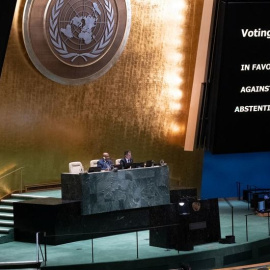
35	264
227	201
11	172
39	249
92	235
238	184
21	168
249	188
247	224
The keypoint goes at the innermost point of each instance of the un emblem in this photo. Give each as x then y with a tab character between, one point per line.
75	41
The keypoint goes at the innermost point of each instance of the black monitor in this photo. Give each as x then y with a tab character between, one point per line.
94	169
137	165
149	163
134	165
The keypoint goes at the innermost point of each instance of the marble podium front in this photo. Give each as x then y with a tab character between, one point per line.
101	192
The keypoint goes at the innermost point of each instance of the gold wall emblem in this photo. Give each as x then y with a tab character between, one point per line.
75	41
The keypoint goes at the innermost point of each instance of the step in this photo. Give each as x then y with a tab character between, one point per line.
6	223
6	238
9	201
43	186
23	196
4	230
6	208
20	265
6	216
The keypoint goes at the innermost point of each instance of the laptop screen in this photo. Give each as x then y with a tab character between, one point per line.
149	163
94	169
137	165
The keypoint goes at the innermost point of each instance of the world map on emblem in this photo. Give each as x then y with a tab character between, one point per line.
80	28
75	42
78	31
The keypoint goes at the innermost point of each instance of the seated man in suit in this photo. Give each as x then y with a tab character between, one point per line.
124	162
105	163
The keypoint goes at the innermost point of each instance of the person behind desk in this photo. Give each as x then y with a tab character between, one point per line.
105	163
126	160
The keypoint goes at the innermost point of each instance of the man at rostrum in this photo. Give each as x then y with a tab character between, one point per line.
105	163
127	160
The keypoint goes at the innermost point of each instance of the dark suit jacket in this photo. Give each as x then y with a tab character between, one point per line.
104	165
124	164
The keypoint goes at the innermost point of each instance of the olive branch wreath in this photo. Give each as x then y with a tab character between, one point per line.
60	46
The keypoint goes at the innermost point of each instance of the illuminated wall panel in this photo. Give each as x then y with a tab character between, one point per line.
140	104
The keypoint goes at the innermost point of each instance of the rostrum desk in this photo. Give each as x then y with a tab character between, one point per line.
94	205
106	203
117	190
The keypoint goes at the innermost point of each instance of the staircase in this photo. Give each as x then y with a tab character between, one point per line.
6	215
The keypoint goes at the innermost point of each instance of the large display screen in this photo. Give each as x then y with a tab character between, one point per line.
239	78
6	15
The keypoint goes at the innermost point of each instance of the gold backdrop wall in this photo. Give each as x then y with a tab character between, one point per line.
141	103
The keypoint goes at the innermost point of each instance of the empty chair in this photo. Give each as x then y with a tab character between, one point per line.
117	161
76	167
93	162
